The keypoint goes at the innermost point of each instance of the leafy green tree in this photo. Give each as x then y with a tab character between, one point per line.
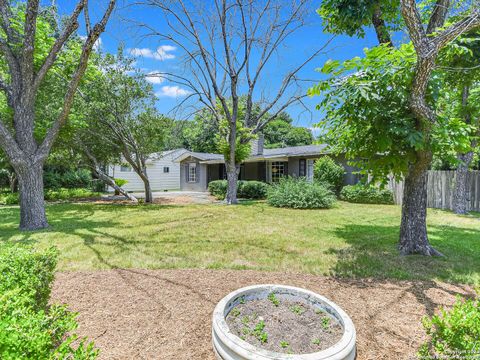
352	16
384	108
280	132
121	108
34	49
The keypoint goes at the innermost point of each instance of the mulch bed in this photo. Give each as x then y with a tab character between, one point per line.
166	314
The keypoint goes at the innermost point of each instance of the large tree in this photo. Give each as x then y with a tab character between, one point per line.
228	46
385	110
26	66
121	106
427	43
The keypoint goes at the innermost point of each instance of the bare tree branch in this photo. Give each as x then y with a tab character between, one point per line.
70	28
68	101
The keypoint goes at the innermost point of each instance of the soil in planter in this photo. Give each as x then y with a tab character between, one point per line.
284	326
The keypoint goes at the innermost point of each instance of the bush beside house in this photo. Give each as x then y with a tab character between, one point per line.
30	328
246	189
328	172
300	194
366	194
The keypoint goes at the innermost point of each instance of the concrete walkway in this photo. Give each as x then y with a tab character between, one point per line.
172	197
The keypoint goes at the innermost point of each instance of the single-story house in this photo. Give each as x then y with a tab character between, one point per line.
162	170
268	165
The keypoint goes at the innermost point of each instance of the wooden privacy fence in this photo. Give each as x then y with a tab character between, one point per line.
440	189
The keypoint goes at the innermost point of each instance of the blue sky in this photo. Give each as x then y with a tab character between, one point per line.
154	55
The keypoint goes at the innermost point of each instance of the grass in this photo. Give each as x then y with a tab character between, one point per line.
350	240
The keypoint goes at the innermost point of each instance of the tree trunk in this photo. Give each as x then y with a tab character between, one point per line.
32	203
381	30
148	189
460	196
232	179
111	182
13	181
413	228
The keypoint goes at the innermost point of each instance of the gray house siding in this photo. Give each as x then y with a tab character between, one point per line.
210	167
200	183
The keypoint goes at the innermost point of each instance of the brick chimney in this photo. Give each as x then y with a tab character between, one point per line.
257	145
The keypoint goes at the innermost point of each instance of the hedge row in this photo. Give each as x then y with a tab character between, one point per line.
245	189
366	194
51	195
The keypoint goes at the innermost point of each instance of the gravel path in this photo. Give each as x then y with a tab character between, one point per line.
166	314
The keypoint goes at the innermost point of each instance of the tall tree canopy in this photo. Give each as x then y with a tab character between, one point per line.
383	108
32	45
352	16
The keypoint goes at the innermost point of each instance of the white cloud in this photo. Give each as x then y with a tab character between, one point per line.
172	91
155	77
163	52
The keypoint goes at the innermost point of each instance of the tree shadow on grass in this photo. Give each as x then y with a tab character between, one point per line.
372	252
101	237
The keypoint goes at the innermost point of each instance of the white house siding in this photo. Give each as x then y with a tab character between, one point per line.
159	180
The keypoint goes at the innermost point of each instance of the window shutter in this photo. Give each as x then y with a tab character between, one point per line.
197	167
186	172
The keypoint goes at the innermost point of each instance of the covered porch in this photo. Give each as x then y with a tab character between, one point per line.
265	170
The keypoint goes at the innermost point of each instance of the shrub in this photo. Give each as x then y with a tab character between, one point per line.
252	190
53	179
245	189
453	333
328	172
29	327
69	194
366	194
218	188
52	195
9	199
300	194
121	182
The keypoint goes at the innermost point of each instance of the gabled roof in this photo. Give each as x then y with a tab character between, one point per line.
200	156
164	154
306	150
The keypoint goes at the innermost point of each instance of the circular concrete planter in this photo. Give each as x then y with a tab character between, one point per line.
228	346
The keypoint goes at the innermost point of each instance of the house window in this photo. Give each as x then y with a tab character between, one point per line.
302	168
192	172
166	169
125	168
278	170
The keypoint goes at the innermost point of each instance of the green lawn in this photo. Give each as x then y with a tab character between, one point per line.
350	240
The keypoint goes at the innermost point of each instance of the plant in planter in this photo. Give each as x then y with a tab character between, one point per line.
275	322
